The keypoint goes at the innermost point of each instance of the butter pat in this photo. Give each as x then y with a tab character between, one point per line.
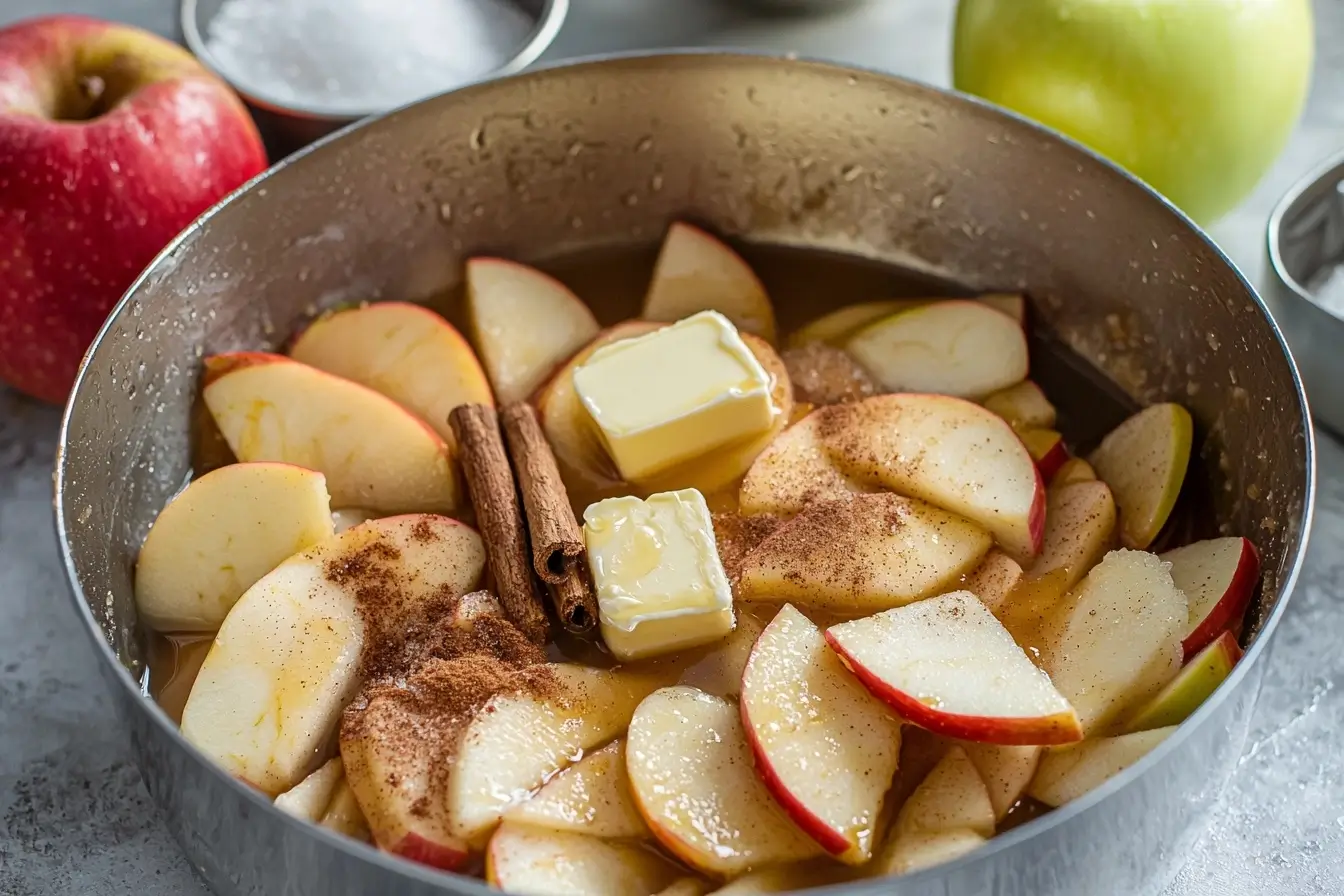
660	584
664	398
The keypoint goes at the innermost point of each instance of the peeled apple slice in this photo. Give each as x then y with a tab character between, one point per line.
311	796
1066	773
529	861
1144	460
590	797
696	272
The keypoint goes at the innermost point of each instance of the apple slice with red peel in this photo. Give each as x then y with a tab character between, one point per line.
947	665
1024	406
719	672
794	471
1218	576
957	347
1144	460
403	351
530	861
374	453
826	750
692	777
1006	771
1066	773
591	797
1079	528
524	323
1117	639
862	554
219	535
696	272
1074	469
993	581
310	798
1198	679
947	451
1047	448
948	815
518	740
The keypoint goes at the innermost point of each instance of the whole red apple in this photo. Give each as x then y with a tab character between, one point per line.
112	140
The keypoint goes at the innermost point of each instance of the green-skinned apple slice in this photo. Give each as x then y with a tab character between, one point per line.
1218	576
1066	773
1144	460
835	327
1197	679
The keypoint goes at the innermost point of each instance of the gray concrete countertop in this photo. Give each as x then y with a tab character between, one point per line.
74	817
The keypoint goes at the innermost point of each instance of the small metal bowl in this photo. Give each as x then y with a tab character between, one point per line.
289	126
1305	237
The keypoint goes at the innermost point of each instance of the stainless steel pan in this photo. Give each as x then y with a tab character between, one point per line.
769	150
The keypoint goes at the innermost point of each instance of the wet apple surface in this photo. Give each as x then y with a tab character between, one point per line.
909	598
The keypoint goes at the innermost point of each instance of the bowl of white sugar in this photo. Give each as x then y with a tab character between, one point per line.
311	66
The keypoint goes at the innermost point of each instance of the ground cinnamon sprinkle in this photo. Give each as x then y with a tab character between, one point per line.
738	535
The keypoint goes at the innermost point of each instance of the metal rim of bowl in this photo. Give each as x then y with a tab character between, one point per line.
1309	187
543	34
1008	840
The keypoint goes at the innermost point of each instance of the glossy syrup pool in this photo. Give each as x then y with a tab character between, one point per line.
803	285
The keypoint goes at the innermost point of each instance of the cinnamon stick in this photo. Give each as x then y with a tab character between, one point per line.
557	540
490	484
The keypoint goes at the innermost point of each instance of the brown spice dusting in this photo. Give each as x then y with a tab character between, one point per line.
822	374
738	535
423	532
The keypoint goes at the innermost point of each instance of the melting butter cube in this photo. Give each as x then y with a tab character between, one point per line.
674	394
655	564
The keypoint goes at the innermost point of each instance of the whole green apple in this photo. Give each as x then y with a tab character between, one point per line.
1196	97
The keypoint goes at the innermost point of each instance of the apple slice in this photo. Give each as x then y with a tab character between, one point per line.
836	327
310	798
692	777
524	324
825	749
696	272
823	374
374	453
1218	577
529	861
349	517
519	740
590	797
344	816
948	815
949	452
1066	773
686	886
1074	469
286	660
1117	640
1079	529
1006	771
1047	448
957	347
1024	406
404	351
720	672
993	581
1197	679
946	664
861	554
222	533
788	878
793	472
1144	460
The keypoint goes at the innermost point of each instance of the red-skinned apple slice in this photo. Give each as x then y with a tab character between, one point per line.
1117	637
1144	460
692	776
947	665
948	815
1197	679
862	554
524	324
1006	771
993	581
530	861
374	453
1075	469
519	740
591	797
696	272
947	451
1023	405
1047	448
285	662
1079	529
793	472
1066	773
310	798
1218	576
403	351
957	347
823	746
219	535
